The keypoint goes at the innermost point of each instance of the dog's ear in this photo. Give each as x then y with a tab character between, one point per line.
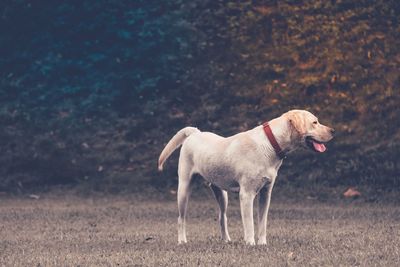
297	123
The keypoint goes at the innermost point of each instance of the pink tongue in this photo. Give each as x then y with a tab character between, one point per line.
319	147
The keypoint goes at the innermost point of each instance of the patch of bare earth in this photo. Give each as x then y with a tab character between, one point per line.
127	231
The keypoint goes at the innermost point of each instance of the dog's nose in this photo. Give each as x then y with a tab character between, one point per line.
332	131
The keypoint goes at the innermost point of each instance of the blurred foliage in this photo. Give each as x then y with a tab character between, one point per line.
92	90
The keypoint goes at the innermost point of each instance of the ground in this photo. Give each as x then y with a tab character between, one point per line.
106	230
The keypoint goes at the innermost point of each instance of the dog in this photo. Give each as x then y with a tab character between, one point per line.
247	163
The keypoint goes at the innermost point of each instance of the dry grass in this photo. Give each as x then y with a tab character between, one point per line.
126	231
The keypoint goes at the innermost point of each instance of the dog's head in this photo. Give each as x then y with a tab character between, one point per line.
307	130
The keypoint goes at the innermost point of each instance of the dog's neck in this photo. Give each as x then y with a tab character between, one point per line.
283	133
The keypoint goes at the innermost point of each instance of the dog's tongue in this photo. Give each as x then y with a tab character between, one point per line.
319	147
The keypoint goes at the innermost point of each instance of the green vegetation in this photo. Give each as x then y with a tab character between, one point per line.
90	91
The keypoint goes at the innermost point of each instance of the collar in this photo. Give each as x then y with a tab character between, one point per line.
272	140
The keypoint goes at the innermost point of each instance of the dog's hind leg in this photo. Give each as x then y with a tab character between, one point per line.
222	197
185	177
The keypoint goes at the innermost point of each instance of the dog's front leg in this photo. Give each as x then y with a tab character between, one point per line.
263	207
246	210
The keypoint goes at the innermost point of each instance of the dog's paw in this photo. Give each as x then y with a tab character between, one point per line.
182	242
262	240
250	242
226	239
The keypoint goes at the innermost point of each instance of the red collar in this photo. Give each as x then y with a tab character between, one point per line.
272	140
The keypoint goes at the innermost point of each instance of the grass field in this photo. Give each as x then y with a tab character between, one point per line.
133	231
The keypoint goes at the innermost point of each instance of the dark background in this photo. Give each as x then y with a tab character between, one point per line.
90	91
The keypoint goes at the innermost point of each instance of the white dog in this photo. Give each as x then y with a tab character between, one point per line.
247	163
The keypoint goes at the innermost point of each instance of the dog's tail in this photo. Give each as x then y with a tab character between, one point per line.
174	143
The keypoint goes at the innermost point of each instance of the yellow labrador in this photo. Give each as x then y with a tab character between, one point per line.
247	163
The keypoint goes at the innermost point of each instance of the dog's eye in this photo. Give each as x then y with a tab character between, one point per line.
315	122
